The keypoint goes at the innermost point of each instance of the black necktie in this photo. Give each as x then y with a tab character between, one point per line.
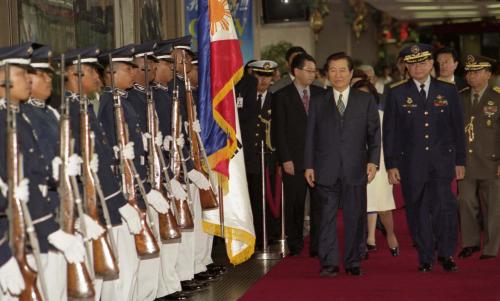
259	100
475	101
422	91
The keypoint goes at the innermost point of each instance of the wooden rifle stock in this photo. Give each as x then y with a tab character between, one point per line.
184	217
17	219
145	242
104	258
167	224
208	198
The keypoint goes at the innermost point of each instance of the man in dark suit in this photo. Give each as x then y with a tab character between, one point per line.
290	111
341	155
482	127
254	112
447	64
424	149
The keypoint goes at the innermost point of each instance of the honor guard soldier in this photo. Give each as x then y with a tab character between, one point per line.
118	72
254	111
102	158
186	265
424	149
44	121
482	129
50	238
169	286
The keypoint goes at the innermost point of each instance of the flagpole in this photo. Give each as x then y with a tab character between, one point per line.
221	205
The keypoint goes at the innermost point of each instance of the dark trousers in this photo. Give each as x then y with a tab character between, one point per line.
354	214
295	189
431	211
255	190
315	217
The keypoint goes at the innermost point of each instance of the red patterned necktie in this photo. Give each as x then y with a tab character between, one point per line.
305	100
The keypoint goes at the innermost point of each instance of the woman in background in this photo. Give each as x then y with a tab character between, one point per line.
379	191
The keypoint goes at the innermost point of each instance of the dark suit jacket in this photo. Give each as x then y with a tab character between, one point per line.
483	155
341	147
290	123
252	129
423	136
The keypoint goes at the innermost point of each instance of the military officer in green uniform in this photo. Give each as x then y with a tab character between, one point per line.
482	128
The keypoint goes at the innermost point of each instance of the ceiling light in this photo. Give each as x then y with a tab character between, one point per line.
420	7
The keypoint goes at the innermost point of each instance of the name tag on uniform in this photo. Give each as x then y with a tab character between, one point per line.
239	102
142	160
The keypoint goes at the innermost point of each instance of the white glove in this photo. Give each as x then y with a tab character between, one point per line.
196	126
157	201
71	245
22	191
132	218
159	139
128	151
94	230
94	163
73	168
199	179
11	279
145	139
180	141
4	188
116	150
177	190
56	162
167	142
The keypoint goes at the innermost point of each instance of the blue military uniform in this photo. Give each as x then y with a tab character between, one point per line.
424	139
41	211
107	118
44	121
108	179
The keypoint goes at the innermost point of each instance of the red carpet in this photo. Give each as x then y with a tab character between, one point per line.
386	277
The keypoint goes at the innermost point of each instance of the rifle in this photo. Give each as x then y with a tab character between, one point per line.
145	242
104	258
167	223
208	199
79	282
19	215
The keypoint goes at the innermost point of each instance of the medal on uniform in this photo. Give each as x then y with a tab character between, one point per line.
440	101
409	103
488	122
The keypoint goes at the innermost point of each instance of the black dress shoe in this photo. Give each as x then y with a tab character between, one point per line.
483	257
329	272
394	251
216	269
205	276
192	285
425	267
354	271
371	247
175	296
448	264
468	251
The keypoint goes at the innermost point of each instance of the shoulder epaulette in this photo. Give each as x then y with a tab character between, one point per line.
496	89
464	89
398	83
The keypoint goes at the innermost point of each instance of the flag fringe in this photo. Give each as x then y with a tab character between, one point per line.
231	234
